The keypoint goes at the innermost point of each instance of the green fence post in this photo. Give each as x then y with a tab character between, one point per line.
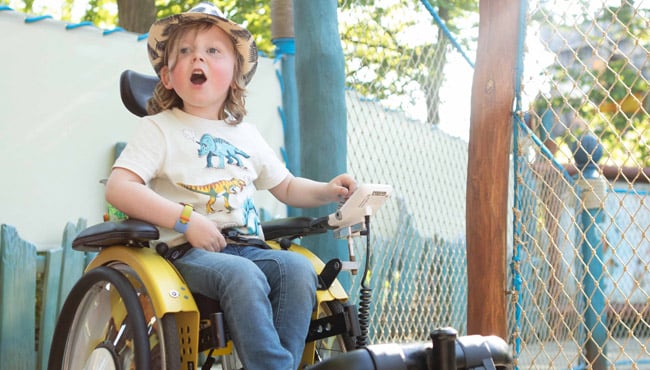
49	303
17	301
73	262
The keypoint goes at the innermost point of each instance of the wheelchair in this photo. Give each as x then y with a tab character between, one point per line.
131	309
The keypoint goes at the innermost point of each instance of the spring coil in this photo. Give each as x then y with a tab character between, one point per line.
365	297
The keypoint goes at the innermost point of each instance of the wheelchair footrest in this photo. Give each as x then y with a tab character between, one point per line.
213	333
346	322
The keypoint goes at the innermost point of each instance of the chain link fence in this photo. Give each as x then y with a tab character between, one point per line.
417	252
396	59
581	247
580	250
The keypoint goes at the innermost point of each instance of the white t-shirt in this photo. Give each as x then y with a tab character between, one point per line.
211	165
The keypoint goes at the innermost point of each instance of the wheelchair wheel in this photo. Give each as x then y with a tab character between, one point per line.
107	322
333	346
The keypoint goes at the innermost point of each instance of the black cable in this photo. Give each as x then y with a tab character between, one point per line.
209	361
365	295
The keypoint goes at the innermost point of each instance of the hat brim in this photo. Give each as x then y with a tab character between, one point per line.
242	39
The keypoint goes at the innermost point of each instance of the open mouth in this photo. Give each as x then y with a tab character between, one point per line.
198	77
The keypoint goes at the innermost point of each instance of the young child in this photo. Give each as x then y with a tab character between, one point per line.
192	169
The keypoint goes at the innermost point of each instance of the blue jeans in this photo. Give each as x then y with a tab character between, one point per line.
267	297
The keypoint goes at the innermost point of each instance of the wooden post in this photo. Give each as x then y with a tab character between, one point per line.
320	79
490	140
282	36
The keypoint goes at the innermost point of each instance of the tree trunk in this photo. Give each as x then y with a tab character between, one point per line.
435	79
136	15
282	19
436	75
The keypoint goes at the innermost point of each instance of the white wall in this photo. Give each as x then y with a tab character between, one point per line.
61	114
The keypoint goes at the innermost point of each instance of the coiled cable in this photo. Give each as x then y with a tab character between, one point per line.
365	295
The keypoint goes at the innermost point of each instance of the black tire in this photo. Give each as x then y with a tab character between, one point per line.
163	338
171	345
103	322
336	345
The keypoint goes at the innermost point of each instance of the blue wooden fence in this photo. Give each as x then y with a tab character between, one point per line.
33	287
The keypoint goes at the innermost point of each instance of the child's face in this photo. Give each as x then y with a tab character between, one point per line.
201	69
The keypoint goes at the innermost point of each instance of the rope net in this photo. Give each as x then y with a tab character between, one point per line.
579	246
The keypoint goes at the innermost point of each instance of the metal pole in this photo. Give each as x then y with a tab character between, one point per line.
592	187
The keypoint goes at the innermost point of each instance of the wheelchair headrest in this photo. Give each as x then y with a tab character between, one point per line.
136	89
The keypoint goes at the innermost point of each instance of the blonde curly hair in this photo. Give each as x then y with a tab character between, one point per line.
234	108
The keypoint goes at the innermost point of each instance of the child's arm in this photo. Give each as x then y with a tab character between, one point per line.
127	192
304	193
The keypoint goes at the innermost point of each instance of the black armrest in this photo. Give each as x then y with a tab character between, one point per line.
292	227
129	232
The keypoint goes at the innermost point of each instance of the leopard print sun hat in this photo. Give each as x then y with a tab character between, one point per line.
241	37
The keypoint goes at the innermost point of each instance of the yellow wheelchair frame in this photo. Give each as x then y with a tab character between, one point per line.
170	294
96	313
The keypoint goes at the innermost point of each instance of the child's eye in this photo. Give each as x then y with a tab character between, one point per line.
184	50
213	50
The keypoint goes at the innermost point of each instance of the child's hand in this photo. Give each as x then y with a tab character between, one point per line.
305	193
203	233
341	187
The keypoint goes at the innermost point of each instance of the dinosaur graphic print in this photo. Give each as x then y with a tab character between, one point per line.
251	217
211	146
220	189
